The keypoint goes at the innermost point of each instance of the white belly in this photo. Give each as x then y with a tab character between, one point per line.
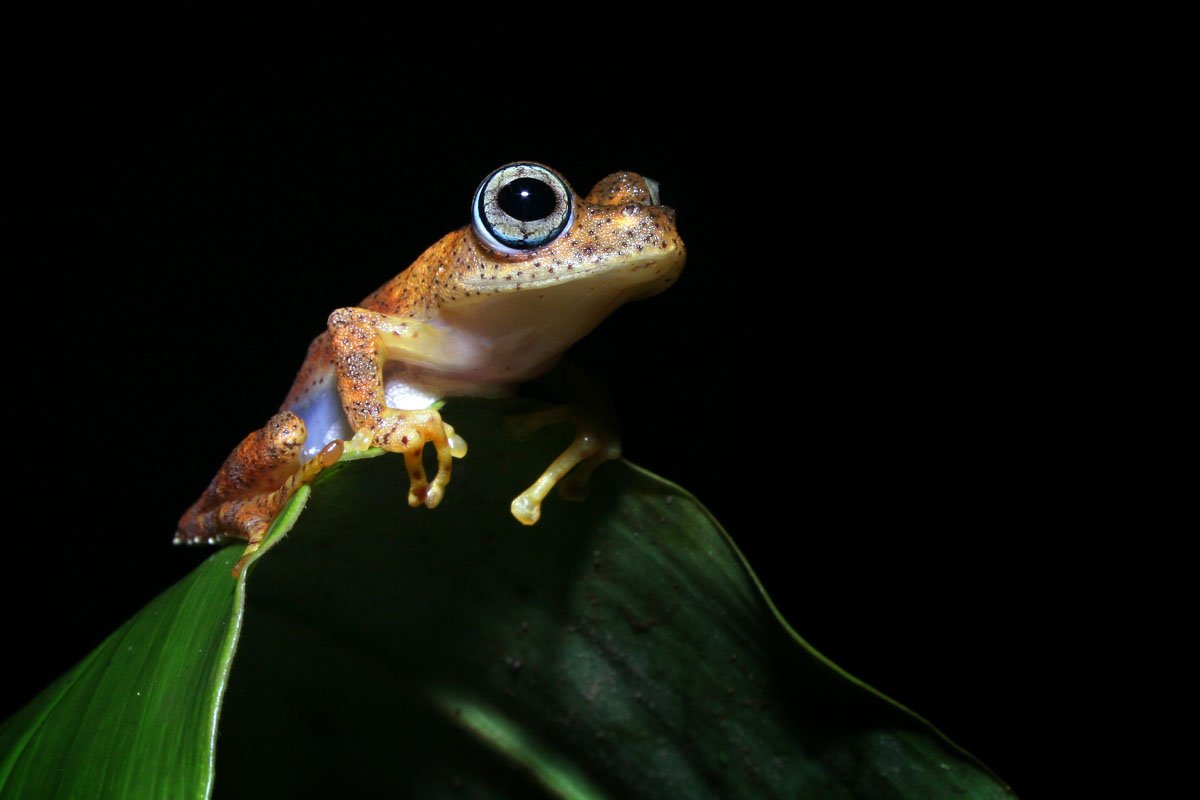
404	388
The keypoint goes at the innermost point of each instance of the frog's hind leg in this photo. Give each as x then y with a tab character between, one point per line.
595	442
253	484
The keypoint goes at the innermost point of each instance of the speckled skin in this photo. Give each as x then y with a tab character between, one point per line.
463	319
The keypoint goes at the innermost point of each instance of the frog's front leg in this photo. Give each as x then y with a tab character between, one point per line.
363	341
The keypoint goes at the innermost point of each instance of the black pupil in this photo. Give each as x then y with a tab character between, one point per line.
526	199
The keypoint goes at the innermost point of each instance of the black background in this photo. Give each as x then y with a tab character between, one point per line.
824	376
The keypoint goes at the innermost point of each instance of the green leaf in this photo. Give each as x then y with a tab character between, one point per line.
619	648
138	716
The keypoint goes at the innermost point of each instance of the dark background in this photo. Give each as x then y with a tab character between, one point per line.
195	206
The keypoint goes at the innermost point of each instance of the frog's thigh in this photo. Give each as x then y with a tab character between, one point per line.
253	484
595	442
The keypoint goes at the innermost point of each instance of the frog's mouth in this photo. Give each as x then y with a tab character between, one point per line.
630	276
588	289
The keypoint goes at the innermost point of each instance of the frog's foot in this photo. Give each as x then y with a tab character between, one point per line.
408	432
594	444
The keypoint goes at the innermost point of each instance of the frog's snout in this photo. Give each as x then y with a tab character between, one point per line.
625	188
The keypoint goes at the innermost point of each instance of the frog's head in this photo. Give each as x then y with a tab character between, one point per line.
530	231
541	262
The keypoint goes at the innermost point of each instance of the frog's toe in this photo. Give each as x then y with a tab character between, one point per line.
257	534
526	508
201	537
434	495
418	486
456	444
420	491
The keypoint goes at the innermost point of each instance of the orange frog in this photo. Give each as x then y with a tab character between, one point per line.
486	307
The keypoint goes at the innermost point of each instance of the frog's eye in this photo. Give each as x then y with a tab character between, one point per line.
521	206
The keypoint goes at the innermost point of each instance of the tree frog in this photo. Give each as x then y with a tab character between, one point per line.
486	307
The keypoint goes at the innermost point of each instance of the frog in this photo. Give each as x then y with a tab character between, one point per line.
487	307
